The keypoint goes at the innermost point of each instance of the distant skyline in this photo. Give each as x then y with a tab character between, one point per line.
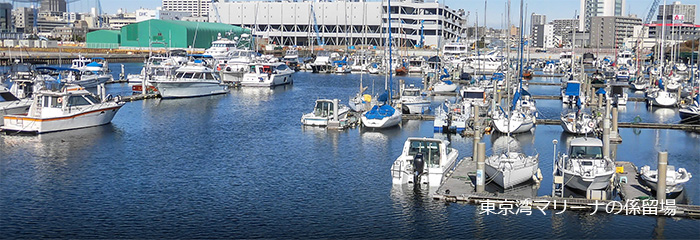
554	9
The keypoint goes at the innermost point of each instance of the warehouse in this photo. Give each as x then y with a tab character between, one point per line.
165	33
103	39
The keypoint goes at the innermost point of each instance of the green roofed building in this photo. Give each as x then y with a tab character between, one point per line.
176	34
103	39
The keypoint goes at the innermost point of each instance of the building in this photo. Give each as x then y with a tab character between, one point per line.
594	8
6	17
537	19
543	36
147	14
676	13
564	29
23	18
117	21
103	39
347	22
197	8
174	34
675	31
611	31
52	6
73	32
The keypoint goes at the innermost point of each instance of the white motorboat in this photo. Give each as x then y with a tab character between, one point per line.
80	62
625	57
584	167
221	48
424	161
9	104
325	111
675	179
452	117
640	84
622	74
324	62
511	168
413	101
191	80
578	123
474	95
86	79
70	108
23	79
486	64
236	66
566	58
617	94
267	75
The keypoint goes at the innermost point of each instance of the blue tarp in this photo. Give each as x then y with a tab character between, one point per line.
600	91
380	112
446	75
57	69
448	82
94	64
573	89
383	97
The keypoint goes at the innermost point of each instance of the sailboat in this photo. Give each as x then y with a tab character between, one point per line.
383	115
511	168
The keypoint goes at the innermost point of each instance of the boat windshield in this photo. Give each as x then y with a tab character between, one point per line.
411	93
589	152
323	109
429	149
473	95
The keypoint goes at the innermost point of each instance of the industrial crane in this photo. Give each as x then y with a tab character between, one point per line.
647	21
216	10
319	40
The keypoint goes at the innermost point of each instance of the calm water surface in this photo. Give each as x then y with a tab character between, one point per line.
241	166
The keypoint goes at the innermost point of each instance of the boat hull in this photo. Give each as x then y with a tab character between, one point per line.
183	89
581	183
385	122
515	126
14	108
510	178
266	81
83	119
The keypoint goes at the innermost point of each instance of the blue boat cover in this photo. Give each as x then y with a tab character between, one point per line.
497	76
446	75
516	97
57	69
380	112
661	83
94	64
448	82
572	89
600	91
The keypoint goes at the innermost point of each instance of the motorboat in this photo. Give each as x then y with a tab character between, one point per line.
325	111
424	161
566	58
639	84
511	168
578	122
675	179
622	74
413	101
84	78
474	95
80	62
71	107
661	98
191	80
291	58
583	165
10	104
221	48
236	66
486	64
23	80
625	57
452	117
267	75
324	62
617	94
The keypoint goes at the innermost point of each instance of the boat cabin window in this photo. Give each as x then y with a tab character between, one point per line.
282	67
77	101
323	109
411	93
430	150
187	75
473	95
91	99
209	76
51	102
198	75
586	152
7	96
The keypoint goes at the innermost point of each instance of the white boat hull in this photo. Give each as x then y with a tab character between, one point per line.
444	88
419	107
82	119
183	89
515	126
14	108
258	80
585	183
385	122
510	178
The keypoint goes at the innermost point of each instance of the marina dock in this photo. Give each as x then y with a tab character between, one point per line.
459	186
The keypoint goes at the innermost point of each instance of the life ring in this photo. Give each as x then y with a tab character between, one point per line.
60	100
591	124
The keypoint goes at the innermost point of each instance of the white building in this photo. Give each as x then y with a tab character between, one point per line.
599	8
197	8
345	22
158	13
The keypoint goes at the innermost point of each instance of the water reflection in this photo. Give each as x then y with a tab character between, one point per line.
664	115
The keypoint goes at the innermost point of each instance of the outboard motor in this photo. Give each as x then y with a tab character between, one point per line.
418	164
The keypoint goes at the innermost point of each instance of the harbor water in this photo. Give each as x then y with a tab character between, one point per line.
241	165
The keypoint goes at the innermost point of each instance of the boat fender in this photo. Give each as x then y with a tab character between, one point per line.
591	124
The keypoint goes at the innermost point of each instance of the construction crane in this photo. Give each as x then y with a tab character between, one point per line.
99	13
319	40
647	21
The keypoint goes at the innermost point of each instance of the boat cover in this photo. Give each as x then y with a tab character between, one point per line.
380	112
573	89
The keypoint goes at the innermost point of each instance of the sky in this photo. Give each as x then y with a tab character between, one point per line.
495	9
